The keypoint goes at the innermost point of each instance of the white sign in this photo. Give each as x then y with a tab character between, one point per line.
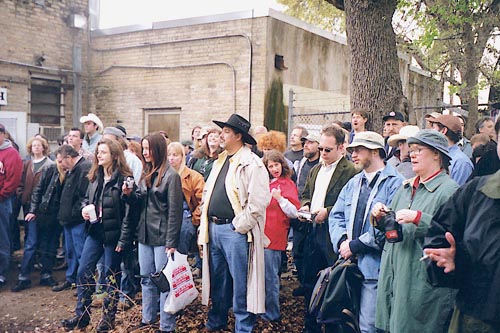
3	96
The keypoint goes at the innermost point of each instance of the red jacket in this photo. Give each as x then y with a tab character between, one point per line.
11	168
277	223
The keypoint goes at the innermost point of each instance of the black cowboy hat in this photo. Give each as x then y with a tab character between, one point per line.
240	125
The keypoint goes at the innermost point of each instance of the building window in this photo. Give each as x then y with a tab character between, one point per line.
46	106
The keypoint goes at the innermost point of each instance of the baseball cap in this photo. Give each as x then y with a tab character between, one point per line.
394	114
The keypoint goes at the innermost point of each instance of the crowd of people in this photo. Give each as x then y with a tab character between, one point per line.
235	197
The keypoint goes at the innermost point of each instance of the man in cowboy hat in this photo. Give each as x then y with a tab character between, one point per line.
231	232
92	127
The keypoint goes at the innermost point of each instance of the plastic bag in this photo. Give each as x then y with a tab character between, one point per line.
182	289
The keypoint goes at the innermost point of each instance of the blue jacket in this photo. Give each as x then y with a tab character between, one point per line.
341	218
461	166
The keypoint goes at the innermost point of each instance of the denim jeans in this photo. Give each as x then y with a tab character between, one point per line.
128	284
151	260
30	246
5	211
101	276
273	262
228	252
74	238
93	250
367	306
48	241
188	233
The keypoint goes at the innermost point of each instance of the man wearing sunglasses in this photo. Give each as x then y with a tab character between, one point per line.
323	185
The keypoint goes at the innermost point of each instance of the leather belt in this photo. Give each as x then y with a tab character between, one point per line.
219	220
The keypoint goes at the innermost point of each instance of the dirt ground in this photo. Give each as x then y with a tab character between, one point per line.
39	309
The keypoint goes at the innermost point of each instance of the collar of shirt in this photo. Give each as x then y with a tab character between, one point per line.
330	166
370	175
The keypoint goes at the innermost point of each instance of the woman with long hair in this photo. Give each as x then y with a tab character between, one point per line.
160	193
204	157
283	206
109	232
192	189
38	150
406	302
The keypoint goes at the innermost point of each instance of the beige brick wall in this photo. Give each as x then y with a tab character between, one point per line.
202	89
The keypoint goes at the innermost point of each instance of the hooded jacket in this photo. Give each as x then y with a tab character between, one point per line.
11	169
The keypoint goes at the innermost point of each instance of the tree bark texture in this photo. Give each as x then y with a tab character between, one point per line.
375	79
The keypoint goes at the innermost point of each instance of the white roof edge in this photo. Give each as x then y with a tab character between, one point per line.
306	26
246	14
419	71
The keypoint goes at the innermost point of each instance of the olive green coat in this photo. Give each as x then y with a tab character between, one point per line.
406	302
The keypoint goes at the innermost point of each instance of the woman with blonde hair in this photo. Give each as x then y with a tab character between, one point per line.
192	189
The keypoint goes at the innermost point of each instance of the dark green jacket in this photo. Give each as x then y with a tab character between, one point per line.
406	301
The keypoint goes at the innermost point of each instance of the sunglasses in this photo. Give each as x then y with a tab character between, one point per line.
328	150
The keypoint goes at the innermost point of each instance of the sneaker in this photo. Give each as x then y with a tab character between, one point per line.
21	285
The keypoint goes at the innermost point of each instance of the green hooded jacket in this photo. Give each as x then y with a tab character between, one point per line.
406	302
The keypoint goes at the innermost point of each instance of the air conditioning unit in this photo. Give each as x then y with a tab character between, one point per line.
51	132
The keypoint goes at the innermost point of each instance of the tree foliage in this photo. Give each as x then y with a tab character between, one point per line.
317	12
455	41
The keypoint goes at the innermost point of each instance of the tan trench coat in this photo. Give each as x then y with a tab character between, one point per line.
249	179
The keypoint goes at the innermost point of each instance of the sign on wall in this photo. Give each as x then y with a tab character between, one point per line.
3	96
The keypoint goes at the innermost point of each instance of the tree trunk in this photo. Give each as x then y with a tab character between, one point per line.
375	79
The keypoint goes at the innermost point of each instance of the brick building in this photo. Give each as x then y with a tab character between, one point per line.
176	74
42	65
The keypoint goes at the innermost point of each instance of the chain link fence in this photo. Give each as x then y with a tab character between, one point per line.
315	109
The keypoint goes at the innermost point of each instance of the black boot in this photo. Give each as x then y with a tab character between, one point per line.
21	285
105	325
76	321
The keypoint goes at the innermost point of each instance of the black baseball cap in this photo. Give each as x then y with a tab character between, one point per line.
394	114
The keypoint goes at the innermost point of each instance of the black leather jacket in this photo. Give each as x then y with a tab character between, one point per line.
47	193
115	227
161	210
73	192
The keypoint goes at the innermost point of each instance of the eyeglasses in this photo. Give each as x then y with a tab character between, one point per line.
357	149
328	150
417	150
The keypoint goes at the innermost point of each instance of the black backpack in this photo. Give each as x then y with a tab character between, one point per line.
336	296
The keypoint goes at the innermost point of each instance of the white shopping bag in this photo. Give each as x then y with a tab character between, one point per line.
182	288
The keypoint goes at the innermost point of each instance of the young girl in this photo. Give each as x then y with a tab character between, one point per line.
283	206
109	232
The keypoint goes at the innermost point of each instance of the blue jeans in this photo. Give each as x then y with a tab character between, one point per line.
188	233
74	238
273	263
367	306
151	260
30	246
93	250
228	260
5	211
48	241
128	284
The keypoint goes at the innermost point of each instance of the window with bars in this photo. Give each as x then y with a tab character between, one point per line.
46	106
